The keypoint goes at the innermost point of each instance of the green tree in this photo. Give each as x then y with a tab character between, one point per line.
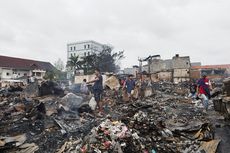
89	63
106	60
74	63
50	75
59	64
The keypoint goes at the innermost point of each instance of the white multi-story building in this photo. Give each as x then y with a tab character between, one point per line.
83	48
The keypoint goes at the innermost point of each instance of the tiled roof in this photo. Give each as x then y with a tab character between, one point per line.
26	64
223	66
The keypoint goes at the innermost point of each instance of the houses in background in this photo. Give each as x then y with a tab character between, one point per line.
14	68
212	71
133	71
177	69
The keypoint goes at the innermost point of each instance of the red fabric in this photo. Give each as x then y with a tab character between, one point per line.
201	89
122	82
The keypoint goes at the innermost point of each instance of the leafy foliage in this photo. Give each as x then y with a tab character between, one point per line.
50	75
75	63
106	61
59	64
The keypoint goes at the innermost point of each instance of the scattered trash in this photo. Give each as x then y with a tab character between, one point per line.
92	103
157	118
71	102
113	83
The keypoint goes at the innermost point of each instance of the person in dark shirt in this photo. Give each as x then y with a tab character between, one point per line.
193	90
97	88
129	85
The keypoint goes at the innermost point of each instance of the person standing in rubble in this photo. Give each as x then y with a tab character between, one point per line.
204	87
193	90
129	84
98	88
140	85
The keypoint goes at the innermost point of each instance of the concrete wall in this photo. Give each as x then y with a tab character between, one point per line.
132	71
145	68
12	74
181	63
161	76
180	75
39	74
165	76
154	77
6	73
184	73
20	73
195	74
79	79
157	65
177	80
83	48
15	73
87	45
180	67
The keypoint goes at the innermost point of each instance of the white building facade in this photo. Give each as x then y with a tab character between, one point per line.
83	48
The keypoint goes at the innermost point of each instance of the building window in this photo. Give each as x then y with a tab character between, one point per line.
18	73
84	53
88	53
88	46
38	74
70	48
84	46
25	74
7	73
71	54
74	48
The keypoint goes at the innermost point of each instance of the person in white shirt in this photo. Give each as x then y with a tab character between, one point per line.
84	88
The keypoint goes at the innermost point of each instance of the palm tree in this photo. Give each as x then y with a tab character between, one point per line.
74	63
89	63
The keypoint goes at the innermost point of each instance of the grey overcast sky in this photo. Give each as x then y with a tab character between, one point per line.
40	29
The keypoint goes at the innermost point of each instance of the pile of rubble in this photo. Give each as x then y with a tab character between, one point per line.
36	119
57	121
222	101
